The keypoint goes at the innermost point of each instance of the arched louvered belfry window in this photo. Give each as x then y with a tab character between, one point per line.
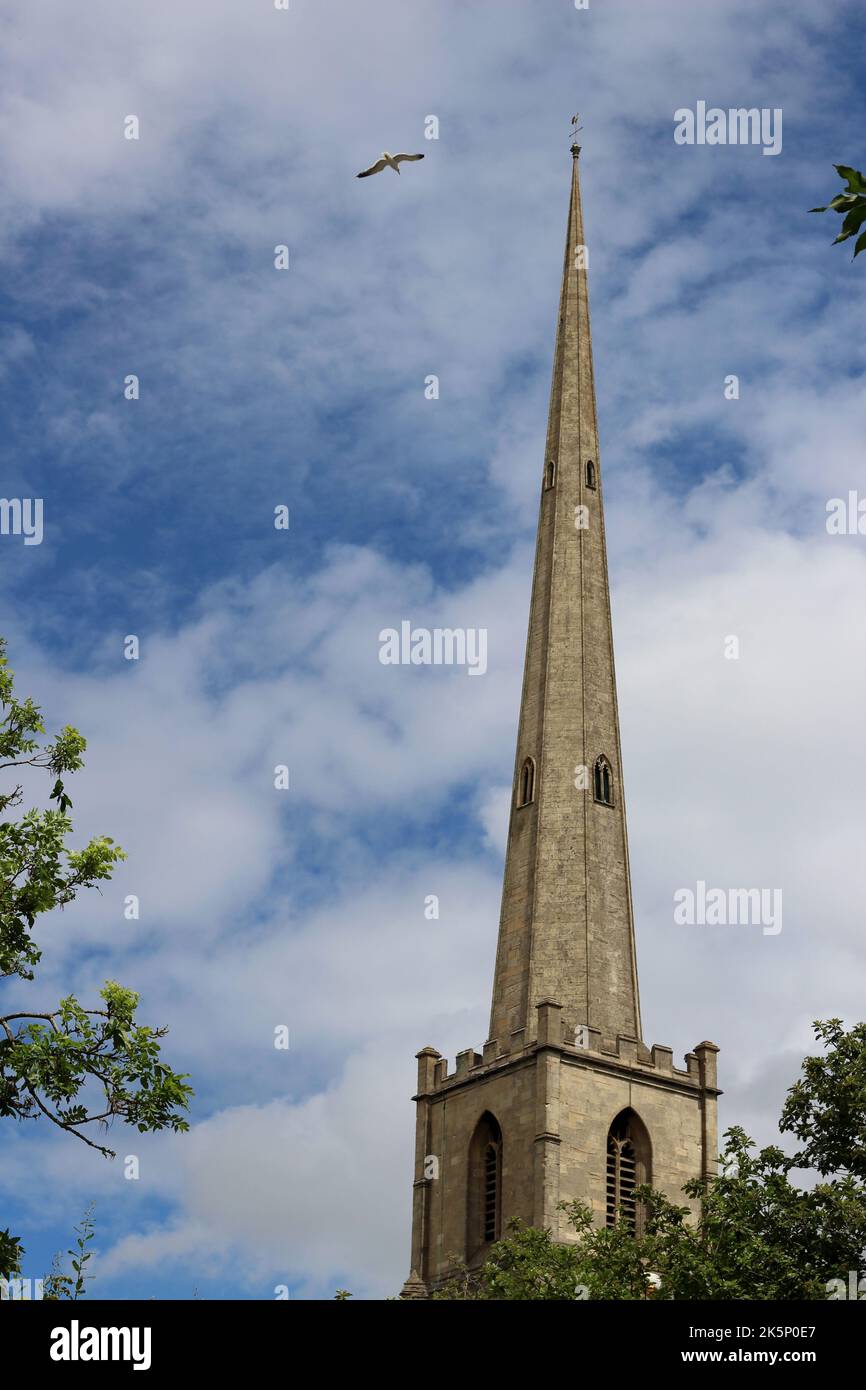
490	1195
629	1164
484	1205
602	780
590	473
549	474
526	783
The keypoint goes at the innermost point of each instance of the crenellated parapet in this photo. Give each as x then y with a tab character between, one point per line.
576	1043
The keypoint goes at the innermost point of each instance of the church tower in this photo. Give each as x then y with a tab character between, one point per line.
565	1101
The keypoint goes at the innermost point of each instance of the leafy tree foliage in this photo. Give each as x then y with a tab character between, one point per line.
77	1067
11	1251
60	1285
851	205
826	1108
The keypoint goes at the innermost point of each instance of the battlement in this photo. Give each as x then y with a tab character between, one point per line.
575	1041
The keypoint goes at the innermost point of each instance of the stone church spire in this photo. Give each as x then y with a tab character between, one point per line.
566	930
566	1103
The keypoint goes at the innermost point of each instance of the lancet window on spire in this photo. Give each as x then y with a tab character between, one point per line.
526	783
603	781
590	473
549	474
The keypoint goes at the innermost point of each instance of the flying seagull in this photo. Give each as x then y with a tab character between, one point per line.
388	161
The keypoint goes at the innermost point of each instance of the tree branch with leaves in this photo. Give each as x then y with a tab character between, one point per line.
79	1068
851	205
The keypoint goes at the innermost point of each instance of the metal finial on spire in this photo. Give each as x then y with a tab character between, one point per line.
575	147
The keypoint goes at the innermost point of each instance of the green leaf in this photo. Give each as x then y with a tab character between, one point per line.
842	201
855	218
859	245
855	180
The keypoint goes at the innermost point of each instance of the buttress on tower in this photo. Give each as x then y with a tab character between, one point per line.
566	1100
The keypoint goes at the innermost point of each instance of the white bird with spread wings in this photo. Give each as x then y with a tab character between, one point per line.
388	161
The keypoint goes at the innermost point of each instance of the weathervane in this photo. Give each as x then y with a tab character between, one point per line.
575	147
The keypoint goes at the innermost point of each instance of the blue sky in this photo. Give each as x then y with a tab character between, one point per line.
258	647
